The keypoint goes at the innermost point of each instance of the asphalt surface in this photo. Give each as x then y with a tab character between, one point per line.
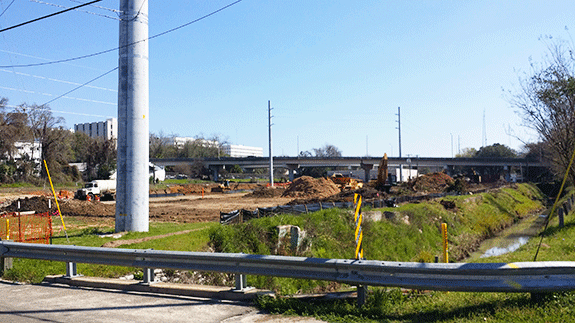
23	303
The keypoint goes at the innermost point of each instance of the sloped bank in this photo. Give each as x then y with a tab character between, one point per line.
410	232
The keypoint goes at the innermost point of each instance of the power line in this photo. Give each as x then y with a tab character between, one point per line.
100	7
136	42
1	14
84	11
48	16
51	95
58	111
57	80
78	87
46	59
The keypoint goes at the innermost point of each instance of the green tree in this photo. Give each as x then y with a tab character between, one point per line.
467	153
496	150
101	159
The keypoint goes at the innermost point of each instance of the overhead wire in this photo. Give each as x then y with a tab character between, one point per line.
82	85
133	43
100	7
47	16
84	11
57	80
51	95
58	111
46	59
3	11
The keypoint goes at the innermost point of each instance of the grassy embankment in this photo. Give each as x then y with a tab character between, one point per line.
391	305
34	271
412	235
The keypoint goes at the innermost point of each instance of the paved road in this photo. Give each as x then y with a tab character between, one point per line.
22	303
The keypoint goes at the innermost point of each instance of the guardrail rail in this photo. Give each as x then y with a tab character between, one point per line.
533	277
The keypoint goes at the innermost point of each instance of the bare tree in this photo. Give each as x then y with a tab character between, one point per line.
13	128
547	104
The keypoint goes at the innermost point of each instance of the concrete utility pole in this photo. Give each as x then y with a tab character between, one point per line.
132	194
399	129
270	143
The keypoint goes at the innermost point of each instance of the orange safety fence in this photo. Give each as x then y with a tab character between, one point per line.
30	228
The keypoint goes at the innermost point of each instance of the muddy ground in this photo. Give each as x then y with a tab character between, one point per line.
202	202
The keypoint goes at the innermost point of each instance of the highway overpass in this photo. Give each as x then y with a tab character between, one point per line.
365	163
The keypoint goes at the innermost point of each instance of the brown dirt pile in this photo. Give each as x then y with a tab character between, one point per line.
36	203
309	187
87	208
367	193
267	192
207	187
68	207
434	182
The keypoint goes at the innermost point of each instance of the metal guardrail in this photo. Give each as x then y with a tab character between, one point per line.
533	277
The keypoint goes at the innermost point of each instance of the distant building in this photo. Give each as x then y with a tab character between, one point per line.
242	151
32	149
157	172
107	129
181	141
231	150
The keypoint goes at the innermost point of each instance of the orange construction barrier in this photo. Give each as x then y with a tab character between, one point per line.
30	228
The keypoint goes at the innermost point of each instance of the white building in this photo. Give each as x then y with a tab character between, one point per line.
181	141
157	172
107	129
243	151
32	149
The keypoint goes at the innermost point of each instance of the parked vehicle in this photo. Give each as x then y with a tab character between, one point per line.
100	188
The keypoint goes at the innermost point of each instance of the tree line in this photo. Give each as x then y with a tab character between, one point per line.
35	126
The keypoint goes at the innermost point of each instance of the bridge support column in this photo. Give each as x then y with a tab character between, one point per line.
291	171
215	172
366	168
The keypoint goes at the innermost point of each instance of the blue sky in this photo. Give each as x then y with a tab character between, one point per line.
335	71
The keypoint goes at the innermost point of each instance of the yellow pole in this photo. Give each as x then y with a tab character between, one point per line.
445	246
7	229
56	199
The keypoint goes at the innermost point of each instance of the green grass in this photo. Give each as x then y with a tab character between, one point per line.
391	305
414	233
394	306
34	271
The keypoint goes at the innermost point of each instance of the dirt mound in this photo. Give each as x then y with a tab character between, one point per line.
309	187
267	192
87	208
434	182
35	203
69	207
367	193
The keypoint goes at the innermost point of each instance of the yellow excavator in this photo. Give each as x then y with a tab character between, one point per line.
383	182
345	183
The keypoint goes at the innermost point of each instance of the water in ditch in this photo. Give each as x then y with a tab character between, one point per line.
510	239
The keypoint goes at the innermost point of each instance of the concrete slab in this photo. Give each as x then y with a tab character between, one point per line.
217	292
52	302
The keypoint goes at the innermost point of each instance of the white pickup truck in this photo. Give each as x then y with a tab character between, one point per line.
102	188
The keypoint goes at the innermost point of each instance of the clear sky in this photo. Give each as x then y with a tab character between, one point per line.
335	71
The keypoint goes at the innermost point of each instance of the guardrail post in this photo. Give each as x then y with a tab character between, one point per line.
5	262
241	283
148	276
560	213
71	270
361	295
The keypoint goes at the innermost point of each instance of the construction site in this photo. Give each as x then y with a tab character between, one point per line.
205	202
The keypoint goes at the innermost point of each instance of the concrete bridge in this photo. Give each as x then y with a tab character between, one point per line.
365	163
